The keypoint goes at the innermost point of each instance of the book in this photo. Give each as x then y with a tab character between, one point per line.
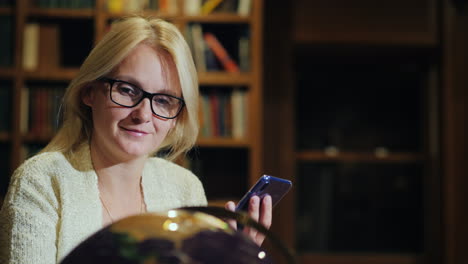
244	53
238	112
198	47
211	62
213	43
244	6
24	110
31	46
215	115
49	47
192	7
206	113
209	6
168	6
115	6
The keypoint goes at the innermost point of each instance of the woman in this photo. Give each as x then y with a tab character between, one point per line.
99	167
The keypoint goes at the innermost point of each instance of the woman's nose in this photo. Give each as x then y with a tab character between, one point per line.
142	112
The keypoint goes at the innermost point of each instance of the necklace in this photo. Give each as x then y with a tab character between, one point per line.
108	211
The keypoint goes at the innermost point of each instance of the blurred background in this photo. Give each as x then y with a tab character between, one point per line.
362	104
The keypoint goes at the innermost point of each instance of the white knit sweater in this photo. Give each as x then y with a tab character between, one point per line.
53	203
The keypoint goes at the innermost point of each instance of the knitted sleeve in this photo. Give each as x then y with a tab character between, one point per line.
28	219
197	193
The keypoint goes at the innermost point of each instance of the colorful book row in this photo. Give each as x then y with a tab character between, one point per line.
205	7
210	54
120	6
223	114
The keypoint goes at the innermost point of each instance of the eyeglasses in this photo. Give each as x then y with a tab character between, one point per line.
130	95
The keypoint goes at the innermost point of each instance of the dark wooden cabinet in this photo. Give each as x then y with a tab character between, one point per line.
370	112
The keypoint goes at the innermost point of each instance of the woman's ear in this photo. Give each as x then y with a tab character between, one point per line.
87	95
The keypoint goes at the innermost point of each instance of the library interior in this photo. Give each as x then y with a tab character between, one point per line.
360	104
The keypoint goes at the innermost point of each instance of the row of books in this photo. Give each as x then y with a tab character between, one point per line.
5	107
41	47
65	3
223	114
6	44
199	7
41	110
164	6
190	7
210	54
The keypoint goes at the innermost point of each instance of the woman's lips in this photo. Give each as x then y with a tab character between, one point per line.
135	132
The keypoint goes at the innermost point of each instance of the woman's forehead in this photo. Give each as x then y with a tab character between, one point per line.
150	68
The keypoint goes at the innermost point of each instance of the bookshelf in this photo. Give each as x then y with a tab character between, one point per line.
243	155
329	52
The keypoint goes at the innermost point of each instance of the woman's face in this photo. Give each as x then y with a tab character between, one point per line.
123	133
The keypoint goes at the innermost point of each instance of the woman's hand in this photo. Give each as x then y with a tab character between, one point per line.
260	211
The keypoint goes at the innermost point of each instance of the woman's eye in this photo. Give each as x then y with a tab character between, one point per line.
127	90
161	101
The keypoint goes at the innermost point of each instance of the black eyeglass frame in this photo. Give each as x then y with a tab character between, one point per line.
150	96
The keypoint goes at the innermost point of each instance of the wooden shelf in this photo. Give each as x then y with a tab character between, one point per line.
146	13
360	259
377	38
61	12
224	78
222	142
219	18
4	136
317	155
54	75
7	72
6	11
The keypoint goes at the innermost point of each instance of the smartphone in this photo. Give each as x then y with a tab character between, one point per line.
275	187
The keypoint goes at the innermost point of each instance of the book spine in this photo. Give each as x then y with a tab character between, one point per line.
228	63
243	8
209	6
192	7
31	47
24	122
198	47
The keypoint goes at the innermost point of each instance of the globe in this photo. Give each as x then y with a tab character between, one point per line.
174	236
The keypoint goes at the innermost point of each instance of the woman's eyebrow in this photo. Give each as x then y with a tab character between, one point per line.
133	81
167	91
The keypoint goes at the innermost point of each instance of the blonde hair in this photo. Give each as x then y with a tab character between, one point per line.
122	38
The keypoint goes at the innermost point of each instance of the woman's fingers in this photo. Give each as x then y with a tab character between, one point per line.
266	215
231	206
254	213
260	210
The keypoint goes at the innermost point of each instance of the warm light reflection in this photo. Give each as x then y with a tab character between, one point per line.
173	226
172	213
